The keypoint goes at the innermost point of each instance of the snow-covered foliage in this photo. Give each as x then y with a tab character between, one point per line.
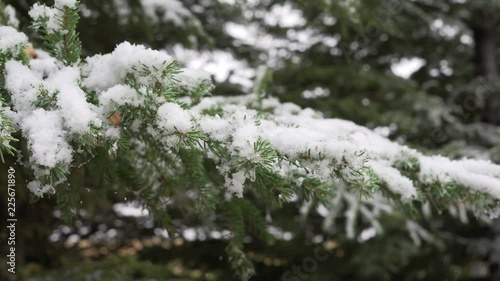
138	105
9	14
54	104
10	39
135	100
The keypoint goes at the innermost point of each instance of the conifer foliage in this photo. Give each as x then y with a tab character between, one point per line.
139	108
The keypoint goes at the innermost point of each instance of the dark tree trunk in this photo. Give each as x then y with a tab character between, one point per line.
485	28
485	37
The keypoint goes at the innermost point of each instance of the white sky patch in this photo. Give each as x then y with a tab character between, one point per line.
329	20
466	39
445	68
161	233
315	93
322	210
189	234
157	10
246	33
279	234
130	209
444	29
220	64
284	16
278	49
407	66
170	10
367	234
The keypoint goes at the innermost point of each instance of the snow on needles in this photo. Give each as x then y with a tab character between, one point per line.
395	181
293	132
10	13
46	138
480	176
52	15
173	118
119	95
10	38
191	78
105	71
50	107
65	3
71	100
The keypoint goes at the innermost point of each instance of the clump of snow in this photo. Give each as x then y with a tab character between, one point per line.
39	190
296	133
75	110
52	15
105	71
481	167
119	95
48	130
438	168
10	39
236	183
10	12
112	133
173	118
44	65
191	78
214	126
46	138
395	181
23	85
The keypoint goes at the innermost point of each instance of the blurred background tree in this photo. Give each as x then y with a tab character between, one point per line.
422	72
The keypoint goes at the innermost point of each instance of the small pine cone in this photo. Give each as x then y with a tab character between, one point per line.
115	119
30	52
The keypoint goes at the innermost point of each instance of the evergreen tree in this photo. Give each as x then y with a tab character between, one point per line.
133	124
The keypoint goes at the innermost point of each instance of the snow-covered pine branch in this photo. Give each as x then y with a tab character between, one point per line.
134	99
56	106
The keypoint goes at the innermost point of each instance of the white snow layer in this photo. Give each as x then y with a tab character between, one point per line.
395	181
46	138
190	78
320	145
105	71
10	38
173	118
53	16
10	12
75	110
119	95
293	131
65	3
